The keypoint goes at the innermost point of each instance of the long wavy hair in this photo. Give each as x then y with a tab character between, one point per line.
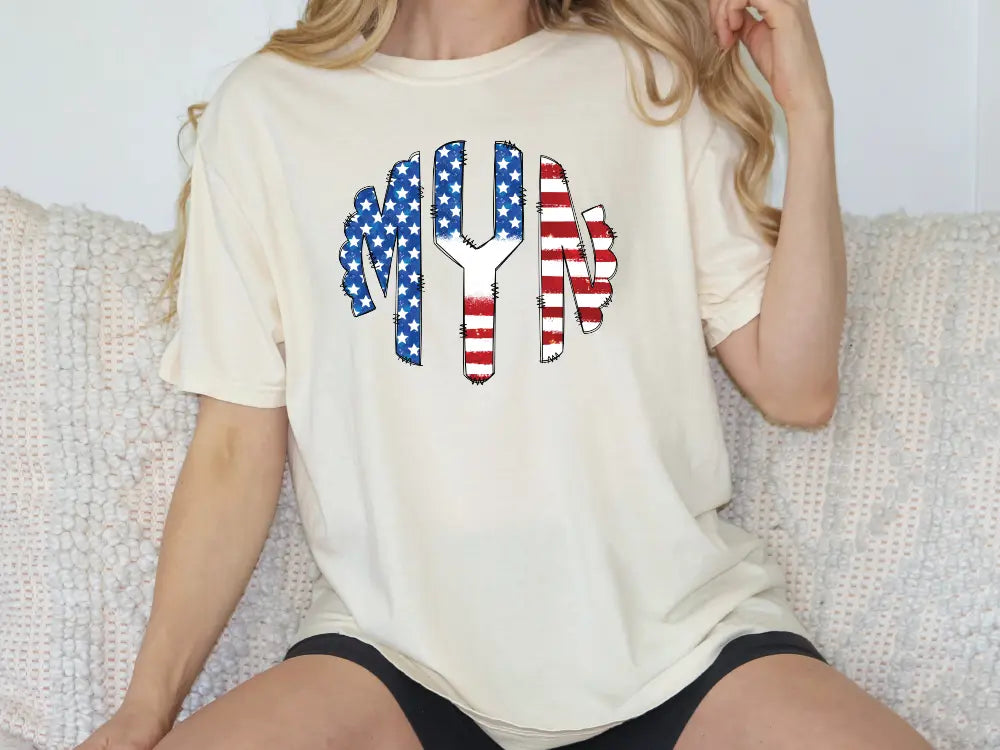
680	30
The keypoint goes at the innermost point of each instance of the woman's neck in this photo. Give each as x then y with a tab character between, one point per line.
451	29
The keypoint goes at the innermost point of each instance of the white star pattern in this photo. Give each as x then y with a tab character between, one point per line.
381	231
448	168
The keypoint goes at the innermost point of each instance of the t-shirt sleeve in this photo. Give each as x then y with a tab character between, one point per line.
228	322
731	257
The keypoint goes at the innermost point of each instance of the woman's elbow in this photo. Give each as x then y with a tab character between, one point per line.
812	411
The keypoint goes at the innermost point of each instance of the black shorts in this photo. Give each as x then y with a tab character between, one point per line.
440	725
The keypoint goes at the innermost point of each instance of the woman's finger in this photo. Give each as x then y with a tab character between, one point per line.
721	20
713	18
773	11
734	13
713	5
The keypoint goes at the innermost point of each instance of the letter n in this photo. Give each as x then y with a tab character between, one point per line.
560	247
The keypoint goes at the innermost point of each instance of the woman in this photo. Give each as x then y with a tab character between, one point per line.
509	479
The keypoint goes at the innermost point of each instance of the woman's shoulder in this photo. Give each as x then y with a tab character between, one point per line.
253	80
651	77
588	52
257	90
258	78
240	87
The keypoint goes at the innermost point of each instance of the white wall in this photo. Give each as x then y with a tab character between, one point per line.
988	172
904	74
906	90
93	94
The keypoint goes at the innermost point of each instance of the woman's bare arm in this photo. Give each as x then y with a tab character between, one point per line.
219	517
786	359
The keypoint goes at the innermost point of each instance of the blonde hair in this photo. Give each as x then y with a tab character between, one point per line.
678	29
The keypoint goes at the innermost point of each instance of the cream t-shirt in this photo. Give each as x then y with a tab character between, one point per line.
486	292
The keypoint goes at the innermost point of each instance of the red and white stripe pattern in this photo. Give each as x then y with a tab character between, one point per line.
560	245
479	317
480	266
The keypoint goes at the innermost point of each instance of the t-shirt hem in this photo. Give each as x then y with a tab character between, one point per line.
231	391
719	327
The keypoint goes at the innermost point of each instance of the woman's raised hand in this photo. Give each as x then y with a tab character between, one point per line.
784	47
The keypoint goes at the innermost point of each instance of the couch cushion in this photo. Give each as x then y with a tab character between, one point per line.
10	742
25	510
887	520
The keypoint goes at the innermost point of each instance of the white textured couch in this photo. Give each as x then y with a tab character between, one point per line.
886	521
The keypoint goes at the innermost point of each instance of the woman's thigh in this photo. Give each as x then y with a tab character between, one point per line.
790	701
311	702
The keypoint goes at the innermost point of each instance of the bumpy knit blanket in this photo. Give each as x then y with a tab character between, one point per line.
886	521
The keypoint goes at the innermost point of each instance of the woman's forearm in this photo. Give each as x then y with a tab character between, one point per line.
219	517
802	311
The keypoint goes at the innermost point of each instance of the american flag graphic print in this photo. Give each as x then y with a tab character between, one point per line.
395	223
560	245
391	232
479	262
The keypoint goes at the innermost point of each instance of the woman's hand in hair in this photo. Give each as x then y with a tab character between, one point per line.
784	46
